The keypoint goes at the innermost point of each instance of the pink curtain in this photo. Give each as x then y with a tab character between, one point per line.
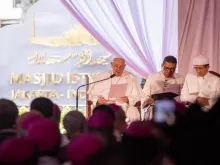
199	33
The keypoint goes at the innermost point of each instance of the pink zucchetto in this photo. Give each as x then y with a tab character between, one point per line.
16	151
115	107
81	149
27	118
139	129
100	119
44	133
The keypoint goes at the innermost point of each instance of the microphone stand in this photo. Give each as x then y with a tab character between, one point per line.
77	91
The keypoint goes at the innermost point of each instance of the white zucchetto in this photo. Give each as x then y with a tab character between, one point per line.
200	60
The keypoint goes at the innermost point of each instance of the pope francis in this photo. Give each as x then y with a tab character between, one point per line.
203	87
100	92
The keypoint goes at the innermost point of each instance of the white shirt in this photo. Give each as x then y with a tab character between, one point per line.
157	83
207	86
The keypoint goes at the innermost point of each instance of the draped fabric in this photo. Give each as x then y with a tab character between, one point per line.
134	29
199	34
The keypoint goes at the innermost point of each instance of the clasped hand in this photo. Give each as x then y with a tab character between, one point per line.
202	101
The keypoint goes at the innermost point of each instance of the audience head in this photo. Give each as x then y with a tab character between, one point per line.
81	149
139	129
201	65
105	108
44	106
8	114
140	142
17	151
101	123
74	123
120	118
24	121
118	66
100	119
45	134
169	66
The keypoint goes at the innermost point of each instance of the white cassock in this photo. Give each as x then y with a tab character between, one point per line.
157	83
133	92
207	86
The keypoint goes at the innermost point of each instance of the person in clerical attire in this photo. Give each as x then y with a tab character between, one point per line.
166	84
100	92
203	87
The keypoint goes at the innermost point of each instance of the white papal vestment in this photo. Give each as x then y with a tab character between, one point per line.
133	92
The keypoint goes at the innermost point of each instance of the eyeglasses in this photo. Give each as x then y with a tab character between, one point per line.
169	69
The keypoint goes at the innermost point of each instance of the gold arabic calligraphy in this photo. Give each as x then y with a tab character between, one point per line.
85	58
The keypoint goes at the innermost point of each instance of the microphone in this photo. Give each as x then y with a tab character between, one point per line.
77	91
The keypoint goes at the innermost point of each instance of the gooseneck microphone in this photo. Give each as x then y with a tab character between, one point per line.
77	91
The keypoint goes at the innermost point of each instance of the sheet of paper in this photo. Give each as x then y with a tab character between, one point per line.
118	90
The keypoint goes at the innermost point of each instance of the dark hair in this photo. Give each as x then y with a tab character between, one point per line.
8	114
43	105
170	59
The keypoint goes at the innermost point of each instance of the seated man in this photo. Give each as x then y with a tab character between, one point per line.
99	92
166	83
202	88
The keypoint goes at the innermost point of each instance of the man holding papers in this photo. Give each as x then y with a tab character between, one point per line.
203	87
165	84
123	89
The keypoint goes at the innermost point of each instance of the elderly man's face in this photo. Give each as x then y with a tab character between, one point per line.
201	70
118	66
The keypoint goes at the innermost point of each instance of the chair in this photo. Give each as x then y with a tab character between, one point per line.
215	73
88	108
89	103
